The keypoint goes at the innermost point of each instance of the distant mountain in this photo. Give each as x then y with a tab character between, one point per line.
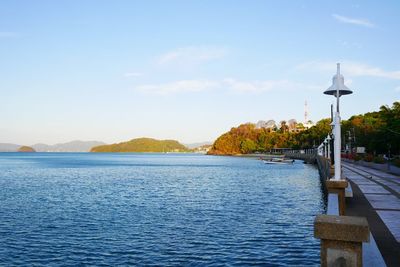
73	146
196	145
26	149
143	145
5	147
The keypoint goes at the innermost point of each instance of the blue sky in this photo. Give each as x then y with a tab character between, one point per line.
187	70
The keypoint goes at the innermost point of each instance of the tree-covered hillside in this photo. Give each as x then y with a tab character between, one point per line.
143	145
26	149
247	138
378	131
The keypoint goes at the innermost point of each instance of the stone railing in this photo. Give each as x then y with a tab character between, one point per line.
370	254
308	155
345	240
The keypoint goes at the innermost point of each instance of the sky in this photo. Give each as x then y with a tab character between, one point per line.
187	70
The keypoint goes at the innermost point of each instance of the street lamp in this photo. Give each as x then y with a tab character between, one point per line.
337	89
328	139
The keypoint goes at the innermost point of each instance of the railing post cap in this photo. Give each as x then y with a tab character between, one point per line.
341	228
338	184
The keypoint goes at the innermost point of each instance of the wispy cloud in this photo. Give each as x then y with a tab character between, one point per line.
397	89
192	55
350	44
133	74
178	87
354	21
266	85
366	70
350	68
8	34
229	84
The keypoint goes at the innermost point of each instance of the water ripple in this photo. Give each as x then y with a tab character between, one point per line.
136	209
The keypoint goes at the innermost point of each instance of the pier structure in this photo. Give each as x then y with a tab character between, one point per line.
361	225
371	194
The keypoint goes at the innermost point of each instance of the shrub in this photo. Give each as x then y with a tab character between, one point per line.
351	156
357	157
368	157
379	159
396	162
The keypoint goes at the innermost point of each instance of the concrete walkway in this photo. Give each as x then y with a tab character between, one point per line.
377	197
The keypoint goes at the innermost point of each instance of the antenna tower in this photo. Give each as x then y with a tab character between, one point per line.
305	112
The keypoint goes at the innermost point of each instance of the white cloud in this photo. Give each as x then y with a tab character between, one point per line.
178	87
354	21
267	85
350	68
229	84
133	74
397	89
366	70
350	44
192	55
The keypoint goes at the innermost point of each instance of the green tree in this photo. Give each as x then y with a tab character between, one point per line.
247	146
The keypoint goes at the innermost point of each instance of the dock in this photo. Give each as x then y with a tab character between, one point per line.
373	194
376	196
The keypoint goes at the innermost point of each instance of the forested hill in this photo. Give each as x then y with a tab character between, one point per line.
143	145
247	138
378	132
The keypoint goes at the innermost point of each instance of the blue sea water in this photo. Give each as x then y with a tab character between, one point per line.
69	209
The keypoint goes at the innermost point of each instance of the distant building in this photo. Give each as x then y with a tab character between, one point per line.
261	124
292	125
308	124
270	125
202	149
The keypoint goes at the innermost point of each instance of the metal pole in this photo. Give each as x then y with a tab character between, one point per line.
350	149
337	86
332	150
328	144
337	142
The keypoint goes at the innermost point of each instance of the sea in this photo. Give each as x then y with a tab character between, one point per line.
137	209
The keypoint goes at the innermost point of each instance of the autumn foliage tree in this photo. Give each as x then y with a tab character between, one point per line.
247	138
378	131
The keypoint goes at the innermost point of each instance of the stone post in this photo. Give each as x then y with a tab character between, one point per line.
332	170
341	239
338	187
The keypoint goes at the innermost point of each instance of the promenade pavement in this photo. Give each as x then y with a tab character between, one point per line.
376	196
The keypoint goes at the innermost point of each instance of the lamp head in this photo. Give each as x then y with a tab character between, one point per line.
338	83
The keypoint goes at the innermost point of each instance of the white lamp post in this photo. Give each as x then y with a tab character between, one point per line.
328	139
337	89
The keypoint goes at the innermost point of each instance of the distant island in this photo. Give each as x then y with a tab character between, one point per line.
6	147
198	145
147	145
26	149
73	146
143	145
